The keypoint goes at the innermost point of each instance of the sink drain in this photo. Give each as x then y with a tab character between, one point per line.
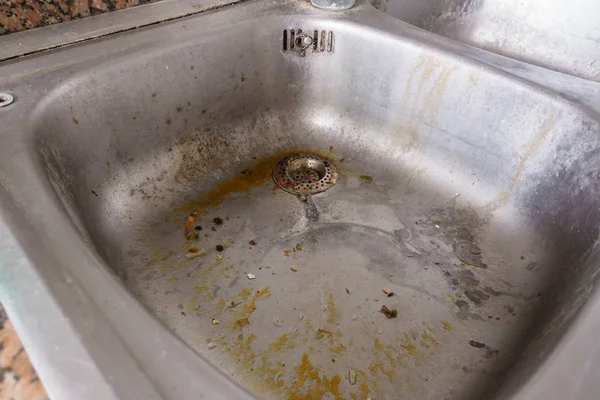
305	174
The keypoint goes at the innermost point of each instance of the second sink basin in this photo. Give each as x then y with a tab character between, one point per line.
465	202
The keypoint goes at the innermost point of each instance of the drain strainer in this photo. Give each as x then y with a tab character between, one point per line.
305	174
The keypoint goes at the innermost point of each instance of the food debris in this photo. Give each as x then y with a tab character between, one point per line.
194	250
276	321
388	292
251	276
352	376
252	242
299	247
219	248
206	234
322	332
218	220
226	244
347	291
366	178
437	222
193	235
219	257
216	321
211	345
198	228
300	316
393	313
354	317
476	344
294	268
287	252
189	222
213	229
189	256
234	304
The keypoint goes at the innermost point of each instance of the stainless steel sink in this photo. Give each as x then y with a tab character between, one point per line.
201	209
562	36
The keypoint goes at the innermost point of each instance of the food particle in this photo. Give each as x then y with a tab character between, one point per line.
322	332
354	317
477	345
198	228
190	256
252	242
216	321
218	220
189	222
437	222
347	291
294	268
206	234
219	257
213	229
194	250
211	345
389	313
299	247
300	316
226	244
287	252
251	276
388	292
352	376
219	248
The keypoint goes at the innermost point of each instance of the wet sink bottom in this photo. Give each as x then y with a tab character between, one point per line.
308	324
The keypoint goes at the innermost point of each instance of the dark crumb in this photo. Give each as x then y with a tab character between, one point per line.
490	317
522	258
214	229
179	108
219	248
478	345
389	313
390	294
203	111
347	291
497	318
95	194
342	160
333	360
198	228
182	313
218	220
154	94
252	242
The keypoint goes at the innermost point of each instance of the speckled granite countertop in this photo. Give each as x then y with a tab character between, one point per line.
19	15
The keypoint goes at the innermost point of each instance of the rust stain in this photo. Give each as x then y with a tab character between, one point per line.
504	196
334	314
256	175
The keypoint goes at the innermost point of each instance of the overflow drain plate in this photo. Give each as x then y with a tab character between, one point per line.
305	174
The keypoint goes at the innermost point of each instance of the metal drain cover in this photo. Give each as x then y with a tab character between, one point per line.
305	174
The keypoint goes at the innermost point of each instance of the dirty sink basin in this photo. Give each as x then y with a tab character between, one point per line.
204	211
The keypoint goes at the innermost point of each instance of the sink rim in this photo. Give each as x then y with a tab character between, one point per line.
583	326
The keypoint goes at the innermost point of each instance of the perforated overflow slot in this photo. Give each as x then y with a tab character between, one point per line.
305	173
